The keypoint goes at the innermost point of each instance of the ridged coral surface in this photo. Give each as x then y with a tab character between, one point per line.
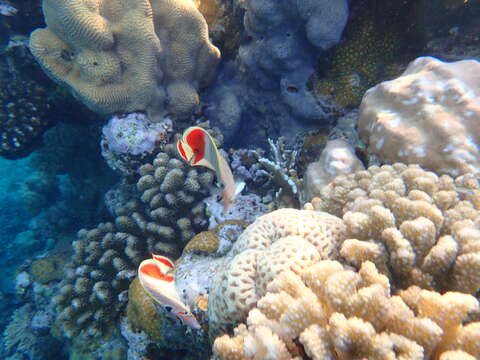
285	239
330	312
126	56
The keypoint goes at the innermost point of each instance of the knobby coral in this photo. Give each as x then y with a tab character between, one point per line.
417	227
330	312
125	56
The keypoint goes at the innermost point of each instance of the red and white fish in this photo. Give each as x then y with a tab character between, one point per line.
198	149
157	276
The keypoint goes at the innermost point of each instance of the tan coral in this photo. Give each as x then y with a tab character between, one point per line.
427	116
417	227
355	317
126	56
285	239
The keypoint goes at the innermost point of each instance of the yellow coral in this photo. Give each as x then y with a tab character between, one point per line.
44	270
418	228
338	313
125	56
142	314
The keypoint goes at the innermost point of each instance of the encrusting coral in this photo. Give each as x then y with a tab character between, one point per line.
417	227
282	240
126	56
327	311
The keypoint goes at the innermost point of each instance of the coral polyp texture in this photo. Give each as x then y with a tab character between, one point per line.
427	116
23	107
126	56
285	239
417	227
167	215
172	193
327	311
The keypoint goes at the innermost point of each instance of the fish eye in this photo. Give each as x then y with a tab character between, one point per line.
168	308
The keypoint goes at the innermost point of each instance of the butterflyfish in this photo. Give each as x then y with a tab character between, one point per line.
198	149
157	276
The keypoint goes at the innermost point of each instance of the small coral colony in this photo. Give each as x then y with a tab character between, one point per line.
275	179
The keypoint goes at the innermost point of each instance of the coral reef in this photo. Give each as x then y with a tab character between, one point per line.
373	39
23	337
338	157
166	332
327	311
427	116
48	268
282	174
142	313
418	228
172	194
168	213
281	240
131	140
23	107
264	90
126	57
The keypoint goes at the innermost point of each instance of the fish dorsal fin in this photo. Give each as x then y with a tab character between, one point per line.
164	264
203	147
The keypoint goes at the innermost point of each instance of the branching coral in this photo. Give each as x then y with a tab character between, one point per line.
167	215
172	192
330	312
125	56
282	174
418	228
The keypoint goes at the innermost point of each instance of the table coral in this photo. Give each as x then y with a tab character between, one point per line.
427	116
282	240
330	312
417	227
118	56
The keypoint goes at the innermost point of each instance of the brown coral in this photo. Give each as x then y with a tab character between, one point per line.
142	314
330	312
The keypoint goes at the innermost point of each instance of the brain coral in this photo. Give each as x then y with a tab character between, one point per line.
330	312
417	227
125	56
428	116
285	239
